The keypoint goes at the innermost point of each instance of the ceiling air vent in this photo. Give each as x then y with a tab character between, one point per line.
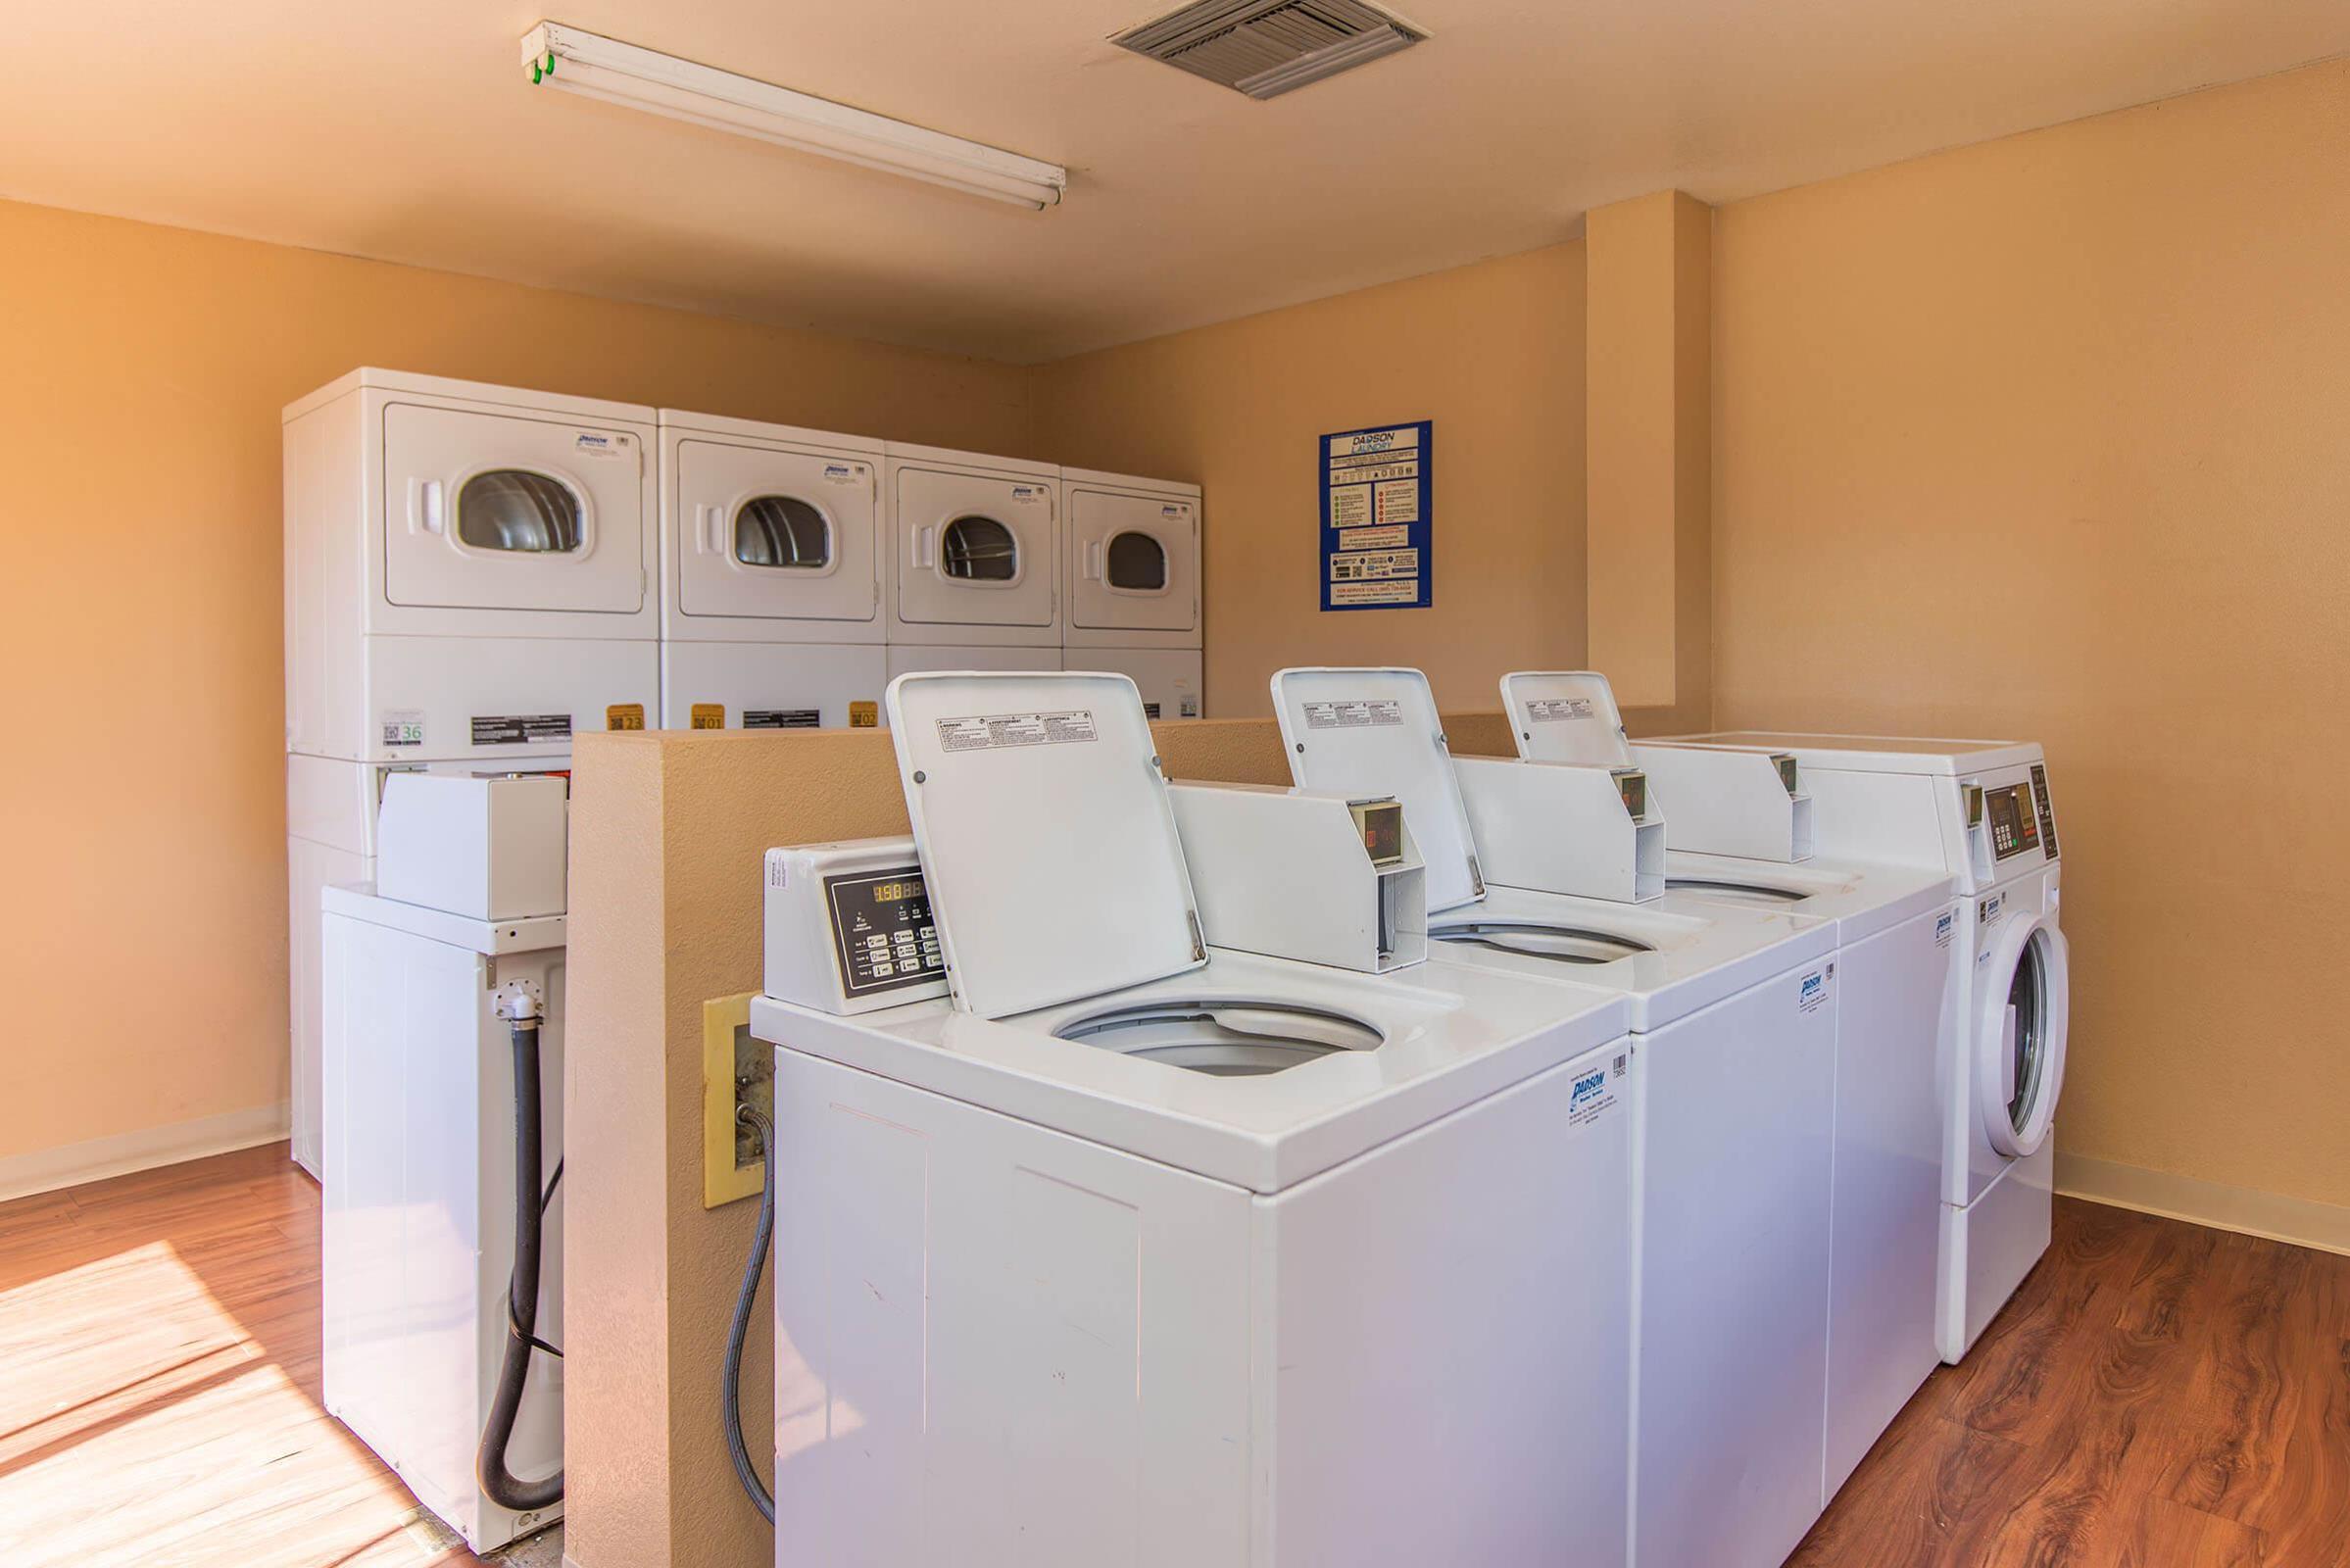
1264	48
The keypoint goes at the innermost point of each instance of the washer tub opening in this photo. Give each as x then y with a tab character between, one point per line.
1226	1038
1538	939
1729	889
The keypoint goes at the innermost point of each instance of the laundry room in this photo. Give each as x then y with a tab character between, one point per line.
1555	638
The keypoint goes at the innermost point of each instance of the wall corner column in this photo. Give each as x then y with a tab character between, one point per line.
1648	423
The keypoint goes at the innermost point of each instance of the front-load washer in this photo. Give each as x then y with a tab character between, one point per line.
973	549
1979	811
469	578
771	576
1898	969
1135	1250
1131	580
1734	1013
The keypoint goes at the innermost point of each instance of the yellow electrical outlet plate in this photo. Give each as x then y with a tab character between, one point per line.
721	1183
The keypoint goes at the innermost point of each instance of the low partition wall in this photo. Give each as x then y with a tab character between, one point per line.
668	832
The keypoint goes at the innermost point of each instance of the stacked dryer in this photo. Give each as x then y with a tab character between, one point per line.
1133	585
469	581
771	569
973	568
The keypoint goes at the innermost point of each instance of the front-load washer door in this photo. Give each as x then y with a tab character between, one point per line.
775	535
1133	562
2020	1032
506	512
974	549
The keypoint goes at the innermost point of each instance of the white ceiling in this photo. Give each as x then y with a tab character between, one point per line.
408	132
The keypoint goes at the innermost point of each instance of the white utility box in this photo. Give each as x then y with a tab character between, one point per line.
1305	874
485	845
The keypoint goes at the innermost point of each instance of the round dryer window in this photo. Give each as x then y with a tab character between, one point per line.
782	531
520	512
1136	563
979	549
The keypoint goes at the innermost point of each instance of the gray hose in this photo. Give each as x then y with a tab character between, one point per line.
730	1394
499	1484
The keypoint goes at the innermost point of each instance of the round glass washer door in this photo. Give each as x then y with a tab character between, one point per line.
1224	1038
1539	939
2026	1012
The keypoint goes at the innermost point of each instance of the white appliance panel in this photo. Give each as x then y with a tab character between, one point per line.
1169	678
775	534
505	511
744	685
1133	562
916	658
977	549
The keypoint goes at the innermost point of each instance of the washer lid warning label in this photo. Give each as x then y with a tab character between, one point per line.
1557	710
1352	715
993	731
1378	499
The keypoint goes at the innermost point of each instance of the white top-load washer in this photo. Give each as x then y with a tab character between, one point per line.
772	611
1131	581
468	579
1138	1250
1738	831
1977	811
1734	1014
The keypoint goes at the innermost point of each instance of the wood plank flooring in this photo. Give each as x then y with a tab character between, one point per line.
2158	1396
159	1383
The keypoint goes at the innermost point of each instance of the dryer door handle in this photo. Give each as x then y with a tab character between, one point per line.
1093	560
425	507
706	531
925	542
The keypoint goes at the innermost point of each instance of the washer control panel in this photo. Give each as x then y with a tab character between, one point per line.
882	930
2014	824
2039	793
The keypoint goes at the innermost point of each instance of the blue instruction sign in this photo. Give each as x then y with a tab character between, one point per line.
1378	488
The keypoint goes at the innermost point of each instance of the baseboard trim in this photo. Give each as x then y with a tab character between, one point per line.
45	1170
2302	1221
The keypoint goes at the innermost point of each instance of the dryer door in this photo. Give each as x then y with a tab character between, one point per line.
1133	562
974	549
2020	1035
777	535
505	511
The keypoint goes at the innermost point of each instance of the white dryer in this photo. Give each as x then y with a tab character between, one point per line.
1747	817
1978	811
771	576
468	577
1140	1251
974	553
1733	1013
1131	581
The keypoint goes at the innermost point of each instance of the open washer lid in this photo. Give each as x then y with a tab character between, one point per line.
1565	715
1370	732
1045	835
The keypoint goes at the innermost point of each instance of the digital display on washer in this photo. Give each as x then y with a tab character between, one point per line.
882	930
1381	824
2014	826
1632	785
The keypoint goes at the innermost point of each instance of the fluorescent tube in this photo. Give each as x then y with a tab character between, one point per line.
557	56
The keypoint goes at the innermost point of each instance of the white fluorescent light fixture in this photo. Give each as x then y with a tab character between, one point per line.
557	56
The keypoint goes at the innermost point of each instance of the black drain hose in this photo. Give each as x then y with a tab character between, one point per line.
499	1484
730	1394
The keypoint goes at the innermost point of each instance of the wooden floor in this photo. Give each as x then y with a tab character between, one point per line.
2158	1396
159	1383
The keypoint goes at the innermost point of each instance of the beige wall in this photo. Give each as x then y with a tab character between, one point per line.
141	373
2051	437
1492	353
